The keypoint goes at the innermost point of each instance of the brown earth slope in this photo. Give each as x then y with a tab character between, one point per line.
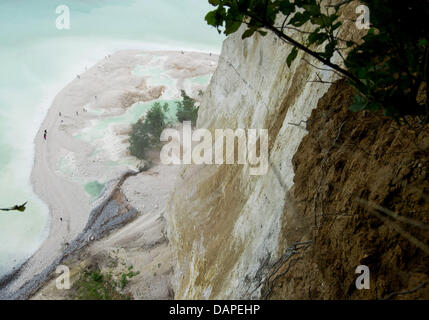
346	157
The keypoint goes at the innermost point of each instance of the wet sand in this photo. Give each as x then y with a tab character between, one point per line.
106	89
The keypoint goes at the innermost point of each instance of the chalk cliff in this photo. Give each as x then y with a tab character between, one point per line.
234	234
224	223
340	192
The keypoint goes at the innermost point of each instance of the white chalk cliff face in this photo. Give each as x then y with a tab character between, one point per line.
224	223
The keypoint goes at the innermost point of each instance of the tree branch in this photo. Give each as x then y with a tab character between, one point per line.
300	46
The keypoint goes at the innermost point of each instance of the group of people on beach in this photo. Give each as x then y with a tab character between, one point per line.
45	133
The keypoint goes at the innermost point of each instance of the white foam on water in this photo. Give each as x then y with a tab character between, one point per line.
37	61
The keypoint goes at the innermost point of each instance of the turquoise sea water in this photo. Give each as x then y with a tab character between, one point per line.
37	60
132	115
94	188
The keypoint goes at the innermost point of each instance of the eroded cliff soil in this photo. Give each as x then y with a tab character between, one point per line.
346	163
300	230
224	224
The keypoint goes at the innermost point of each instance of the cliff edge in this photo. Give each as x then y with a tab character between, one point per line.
237	236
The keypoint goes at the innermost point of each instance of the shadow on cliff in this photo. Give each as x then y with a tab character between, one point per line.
349	169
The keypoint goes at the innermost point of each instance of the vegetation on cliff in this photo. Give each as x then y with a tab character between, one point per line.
97	285
145	133
388	67
186	109
360	193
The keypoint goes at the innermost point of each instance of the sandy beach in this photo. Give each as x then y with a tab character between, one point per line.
86	144
141	243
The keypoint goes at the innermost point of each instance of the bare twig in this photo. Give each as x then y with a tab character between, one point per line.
289	252
316	196
402	232
395	216
275	267
298	45
320	80
299	124
322	69
421	285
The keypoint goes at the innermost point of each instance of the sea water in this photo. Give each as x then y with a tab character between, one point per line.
37	60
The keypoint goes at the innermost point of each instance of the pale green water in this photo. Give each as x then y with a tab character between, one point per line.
132	115
94	188
202	79
37	60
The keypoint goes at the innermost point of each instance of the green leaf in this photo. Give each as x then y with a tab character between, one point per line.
336	25
292	56
233	19
359	104
423	42
211	18
232	26
330	49
318	20
286	7
248	33
317	38
314	9
373	106
300	18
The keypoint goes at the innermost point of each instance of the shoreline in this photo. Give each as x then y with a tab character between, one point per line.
69	205
98	218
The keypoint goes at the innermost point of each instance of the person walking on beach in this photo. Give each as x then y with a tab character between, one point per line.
45	134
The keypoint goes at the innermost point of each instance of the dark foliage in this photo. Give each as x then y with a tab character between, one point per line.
186	109
145	134
389	69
